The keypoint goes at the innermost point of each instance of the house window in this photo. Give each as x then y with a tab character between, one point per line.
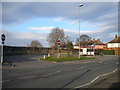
81	50
89	50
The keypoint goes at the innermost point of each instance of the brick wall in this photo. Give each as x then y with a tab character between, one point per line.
117	50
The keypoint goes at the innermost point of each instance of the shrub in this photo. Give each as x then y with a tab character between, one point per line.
109	52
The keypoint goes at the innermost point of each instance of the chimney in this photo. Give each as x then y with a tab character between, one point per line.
115	36
98	39
93	38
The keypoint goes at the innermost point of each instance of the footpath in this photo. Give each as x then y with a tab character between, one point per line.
108	82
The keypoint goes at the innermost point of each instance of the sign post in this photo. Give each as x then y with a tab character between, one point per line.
3	39
58	48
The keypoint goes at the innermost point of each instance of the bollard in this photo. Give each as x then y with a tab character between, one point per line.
44	57
48	55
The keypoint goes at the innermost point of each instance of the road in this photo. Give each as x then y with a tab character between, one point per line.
41	74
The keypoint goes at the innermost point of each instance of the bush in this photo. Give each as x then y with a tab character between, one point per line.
109	52
65	58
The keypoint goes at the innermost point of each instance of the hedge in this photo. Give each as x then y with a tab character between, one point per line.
109	52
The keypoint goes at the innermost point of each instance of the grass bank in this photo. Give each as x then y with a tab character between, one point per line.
62	59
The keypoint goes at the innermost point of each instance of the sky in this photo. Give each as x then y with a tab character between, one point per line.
23	22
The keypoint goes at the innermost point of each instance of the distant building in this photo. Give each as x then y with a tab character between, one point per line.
89	47
114	45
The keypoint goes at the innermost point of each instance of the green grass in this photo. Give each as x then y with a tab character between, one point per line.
61	59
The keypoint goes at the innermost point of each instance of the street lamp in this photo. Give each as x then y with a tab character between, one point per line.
79	29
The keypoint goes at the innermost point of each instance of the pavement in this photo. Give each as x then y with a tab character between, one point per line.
72	74
108	81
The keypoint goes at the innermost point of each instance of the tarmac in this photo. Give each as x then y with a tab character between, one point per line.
109	82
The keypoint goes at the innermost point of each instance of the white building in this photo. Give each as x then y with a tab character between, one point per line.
114	45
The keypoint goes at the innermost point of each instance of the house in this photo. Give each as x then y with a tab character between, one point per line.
89	47
114	45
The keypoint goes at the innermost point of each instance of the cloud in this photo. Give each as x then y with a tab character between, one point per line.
41	28
24	38
29	36
92	12
104	30
73	22
101	15
58	19
50	28
22	11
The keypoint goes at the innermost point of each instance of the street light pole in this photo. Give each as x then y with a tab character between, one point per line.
79	29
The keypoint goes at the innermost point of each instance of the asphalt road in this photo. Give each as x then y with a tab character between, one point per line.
41	74
20	58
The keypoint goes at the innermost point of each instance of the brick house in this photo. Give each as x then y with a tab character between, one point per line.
89	47
114	45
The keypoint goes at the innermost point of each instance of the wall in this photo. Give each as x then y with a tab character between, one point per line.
112	45
117	51
100	46
75	47
10	50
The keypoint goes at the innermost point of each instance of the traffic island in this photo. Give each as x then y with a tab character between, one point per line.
63	58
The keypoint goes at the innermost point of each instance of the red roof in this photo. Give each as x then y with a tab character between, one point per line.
96	42
116	40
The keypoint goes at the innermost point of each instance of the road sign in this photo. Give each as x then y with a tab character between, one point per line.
58	42
3	37
2	42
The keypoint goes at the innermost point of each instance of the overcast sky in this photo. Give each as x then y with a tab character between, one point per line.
23	22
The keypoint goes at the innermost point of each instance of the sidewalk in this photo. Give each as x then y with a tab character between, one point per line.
109	82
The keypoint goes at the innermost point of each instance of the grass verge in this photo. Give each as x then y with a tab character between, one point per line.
62	59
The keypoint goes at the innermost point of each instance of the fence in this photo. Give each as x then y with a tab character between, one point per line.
10	50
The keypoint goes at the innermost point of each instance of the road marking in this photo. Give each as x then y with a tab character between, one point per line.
96	79
32	76
117	62
76	68
49	74
76	78
100	61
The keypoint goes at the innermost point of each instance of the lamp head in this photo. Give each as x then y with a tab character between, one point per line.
80	5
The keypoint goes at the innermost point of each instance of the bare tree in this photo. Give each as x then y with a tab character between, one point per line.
35	43
77	40
55	35
68	43
83	38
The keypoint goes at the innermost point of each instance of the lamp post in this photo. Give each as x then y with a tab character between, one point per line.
79	29
94	50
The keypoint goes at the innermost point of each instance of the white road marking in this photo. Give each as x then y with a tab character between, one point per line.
76	68
58	72
31	76
49	74
117	62
96	79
